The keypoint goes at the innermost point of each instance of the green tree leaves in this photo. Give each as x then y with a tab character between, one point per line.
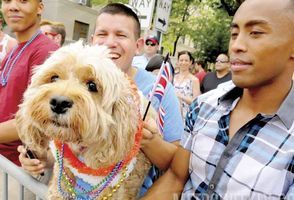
212	32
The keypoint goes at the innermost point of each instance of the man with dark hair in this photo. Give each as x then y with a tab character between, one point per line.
33	48
120	31
222	74
239	139
118	27
23	18
125	10
151	46
200	72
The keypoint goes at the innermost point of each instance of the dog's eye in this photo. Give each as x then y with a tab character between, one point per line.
54	78
92	86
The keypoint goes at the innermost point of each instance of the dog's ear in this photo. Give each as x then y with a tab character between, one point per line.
125	116
30	135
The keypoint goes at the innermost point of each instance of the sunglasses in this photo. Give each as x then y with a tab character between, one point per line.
150	44
50	33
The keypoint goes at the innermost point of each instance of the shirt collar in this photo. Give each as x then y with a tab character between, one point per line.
285	112
231	95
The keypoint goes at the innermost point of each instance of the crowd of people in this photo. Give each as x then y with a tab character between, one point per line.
227	134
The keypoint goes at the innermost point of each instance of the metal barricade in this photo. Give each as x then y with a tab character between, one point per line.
24	179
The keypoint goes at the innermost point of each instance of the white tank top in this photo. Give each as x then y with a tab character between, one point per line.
4	43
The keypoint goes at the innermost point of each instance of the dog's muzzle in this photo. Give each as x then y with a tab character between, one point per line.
60	104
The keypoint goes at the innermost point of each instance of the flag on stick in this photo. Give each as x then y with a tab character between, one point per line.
164	76
161	114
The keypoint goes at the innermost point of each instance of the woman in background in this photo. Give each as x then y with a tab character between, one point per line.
186	84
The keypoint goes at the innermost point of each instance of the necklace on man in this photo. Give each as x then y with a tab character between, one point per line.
9	64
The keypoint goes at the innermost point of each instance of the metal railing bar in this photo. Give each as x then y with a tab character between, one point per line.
23	178
5	186
21	192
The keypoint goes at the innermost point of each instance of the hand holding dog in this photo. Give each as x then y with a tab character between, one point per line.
34	166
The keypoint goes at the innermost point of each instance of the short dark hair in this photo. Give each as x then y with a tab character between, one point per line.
187	53
122	9
200	62
155	63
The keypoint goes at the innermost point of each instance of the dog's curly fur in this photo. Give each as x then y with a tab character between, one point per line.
103	121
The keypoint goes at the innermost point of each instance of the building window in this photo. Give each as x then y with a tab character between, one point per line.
81	31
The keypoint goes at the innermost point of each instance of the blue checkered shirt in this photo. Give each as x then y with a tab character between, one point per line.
256	163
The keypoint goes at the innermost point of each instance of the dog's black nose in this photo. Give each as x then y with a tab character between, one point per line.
60	104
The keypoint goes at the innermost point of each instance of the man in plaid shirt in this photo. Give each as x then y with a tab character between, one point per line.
239	139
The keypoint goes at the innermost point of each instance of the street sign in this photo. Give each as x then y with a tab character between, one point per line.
144	11
162	15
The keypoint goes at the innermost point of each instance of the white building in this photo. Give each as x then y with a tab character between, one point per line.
78	18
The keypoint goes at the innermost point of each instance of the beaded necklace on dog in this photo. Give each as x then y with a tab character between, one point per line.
94	191
10	63
111	172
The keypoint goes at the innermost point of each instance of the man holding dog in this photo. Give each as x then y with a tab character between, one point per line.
118	27
23	18
123	39
239	139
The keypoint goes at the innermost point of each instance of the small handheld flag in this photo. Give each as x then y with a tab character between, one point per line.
164	76
161	114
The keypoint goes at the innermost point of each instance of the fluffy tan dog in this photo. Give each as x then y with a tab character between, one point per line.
88	112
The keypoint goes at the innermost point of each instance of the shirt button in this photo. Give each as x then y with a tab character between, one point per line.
211	186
